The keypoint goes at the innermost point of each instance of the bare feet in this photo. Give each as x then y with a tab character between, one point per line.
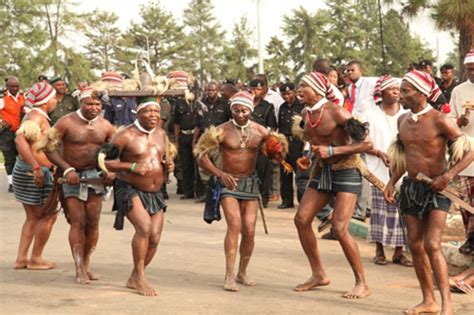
313	282
243	279
82	277
447	309
92	276
40	265
231	285
141	285
21	264
358	292
423	308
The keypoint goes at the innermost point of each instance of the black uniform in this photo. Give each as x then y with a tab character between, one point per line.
448	90
264	114
285	121
216	113
184	117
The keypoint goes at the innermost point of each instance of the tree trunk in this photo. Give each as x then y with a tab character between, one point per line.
466	43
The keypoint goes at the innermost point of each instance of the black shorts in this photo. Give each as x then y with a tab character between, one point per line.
417	198
348	180
153	202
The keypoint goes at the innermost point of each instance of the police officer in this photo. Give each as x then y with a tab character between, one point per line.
448	80
184	124
287	111
212	111
263	114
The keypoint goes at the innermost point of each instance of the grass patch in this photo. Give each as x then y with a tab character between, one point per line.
1	158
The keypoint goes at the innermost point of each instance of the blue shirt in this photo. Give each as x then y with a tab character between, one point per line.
120	110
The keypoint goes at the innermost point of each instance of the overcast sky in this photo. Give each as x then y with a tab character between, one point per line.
229	12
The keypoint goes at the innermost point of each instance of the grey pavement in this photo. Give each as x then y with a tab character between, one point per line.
188	271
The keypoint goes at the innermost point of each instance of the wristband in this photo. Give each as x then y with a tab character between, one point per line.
35	168
132	167
330	151
70	169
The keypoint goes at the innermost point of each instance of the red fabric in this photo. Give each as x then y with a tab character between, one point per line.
351	100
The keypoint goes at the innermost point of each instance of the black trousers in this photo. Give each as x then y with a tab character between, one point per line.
264	173
286	180
7	144
186	159
200	187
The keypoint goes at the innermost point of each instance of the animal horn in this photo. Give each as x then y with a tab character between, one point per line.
101	162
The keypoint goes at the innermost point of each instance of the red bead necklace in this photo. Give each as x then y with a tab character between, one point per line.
318	121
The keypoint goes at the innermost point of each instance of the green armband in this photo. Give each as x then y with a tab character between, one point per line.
132	167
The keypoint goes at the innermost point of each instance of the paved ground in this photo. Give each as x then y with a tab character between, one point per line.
188	272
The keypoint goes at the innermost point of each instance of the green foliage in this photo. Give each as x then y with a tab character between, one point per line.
239	56
305	32
349	30
103	36
401	48
37	40
205	39
33	36
160	33
77	67
451	15
277	63
23	40
453	57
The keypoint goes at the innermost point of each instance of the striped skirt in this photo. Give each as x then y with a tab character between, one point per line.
385	226
465	187
247	189
345	180
24	186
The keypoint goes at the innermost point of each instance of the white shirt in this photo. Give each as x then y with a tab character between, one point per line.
382	130
461	94
15	97
338	95
275	99
364	98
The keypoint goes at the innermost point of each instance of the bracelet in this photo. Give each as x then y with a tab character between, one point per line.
35	168
70	169
132	167
330	151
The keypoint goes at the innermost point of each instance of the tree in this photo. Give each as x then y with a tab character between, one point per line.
103	35
158	34
60	19
205	39
453	57
77	67
305	32
454	15
238	55
400	50
23	39
277	63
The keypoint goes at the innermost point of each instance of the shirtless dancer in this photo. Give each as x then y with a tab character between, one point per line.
145	157
336	138
32	178
238	142
424	135
78	136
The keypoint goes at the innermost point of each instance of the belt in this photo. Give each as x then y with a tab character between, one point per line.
187	132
